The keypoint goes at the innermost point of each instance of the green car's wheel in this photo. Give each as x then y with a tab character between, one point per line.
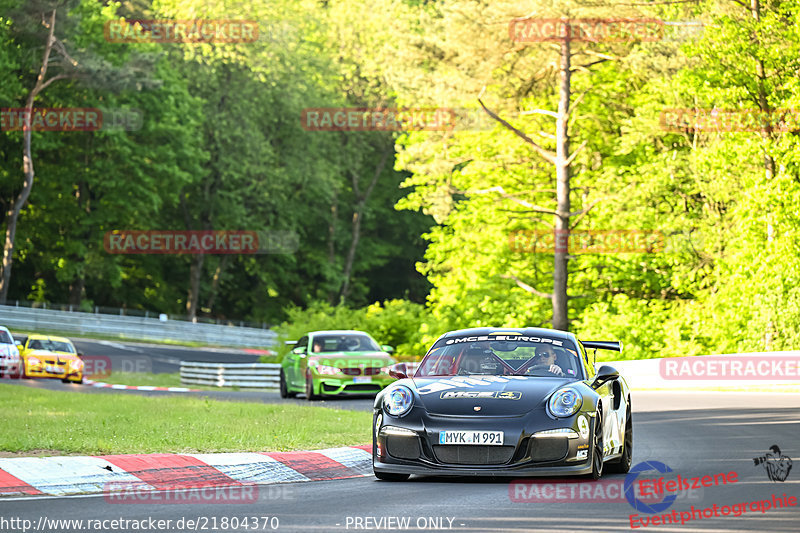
310	396
284	388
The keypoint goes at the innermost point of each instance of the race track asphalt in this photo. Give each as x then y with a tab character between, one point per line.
695	434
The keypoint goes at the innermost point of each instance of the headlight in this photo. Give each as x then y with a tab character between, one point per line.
327	370
34	361
398	401
76	363
564	402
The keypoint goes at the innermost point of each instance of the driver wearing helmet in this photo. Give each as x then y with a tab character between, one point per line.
546	357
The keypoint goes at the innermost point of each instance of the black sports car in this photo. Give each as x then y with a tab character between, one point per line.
499	401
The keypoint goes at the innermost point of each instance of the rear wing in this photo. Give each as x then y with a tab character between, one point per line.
604	345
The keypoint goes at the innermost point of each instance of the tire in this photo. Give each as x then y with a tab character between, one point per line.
597	446
282	385
623	464
310	396
386	476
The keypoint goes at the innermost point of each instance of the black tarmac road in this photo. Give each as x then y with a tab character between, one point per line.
695	434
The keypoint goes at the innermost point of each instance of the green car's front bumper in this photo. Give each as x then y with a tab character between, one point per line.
335	385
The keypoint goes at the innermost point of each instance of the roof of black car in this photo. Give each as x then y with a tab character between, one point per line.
554	333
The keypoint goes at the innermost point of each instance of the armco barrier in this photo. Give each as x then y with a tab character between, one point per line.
248	375
132	327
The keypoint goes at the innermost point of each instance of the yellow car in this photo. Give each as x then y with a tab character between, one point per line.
43	356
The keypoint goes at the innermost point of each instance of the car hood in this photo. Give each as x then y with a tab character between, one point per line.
495	395
64	356
352	359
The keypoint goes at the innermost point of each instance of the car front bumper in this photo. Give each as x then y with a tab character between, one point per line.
410	445
351	386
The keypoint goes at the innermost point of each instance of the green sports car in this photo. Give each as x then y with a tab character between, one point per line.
335	363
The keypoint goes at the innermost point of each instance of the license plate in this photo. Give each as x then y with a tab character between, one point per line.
362	379
54	369
490	438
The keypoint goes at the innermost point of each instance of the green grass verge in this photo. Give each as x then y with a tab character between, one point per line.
144	378
104	424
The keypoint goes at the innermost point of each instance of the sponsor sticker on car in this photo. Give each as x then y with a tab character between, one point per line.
491	438
477	395
362	379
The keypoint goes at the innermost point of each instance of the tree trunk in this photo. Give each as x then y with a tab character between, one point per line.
215	282
27	166
561	255
358	213
195	273
76	290
332	242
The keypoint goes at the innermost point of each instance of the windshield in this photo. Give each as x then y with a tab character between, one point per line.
351	342
52	346
501	355
5	338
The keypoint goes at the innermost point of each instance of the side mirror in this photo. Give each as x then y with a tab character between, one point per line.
80	354
386	348
398	371
19	344
299	351
605	373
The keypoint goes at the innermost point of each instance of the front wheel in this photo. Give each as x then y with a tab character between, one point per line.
310	396
597	446
623	464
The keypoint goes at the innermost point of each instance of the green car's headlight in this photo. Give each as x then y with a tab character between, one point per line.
398	400
564	402
328	370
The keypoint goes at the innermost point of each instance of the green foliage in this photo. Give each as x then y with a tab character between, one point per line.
404	325
222	147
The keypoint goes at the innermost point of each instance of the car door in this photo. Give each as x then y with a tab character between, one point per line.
293	369
606	392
